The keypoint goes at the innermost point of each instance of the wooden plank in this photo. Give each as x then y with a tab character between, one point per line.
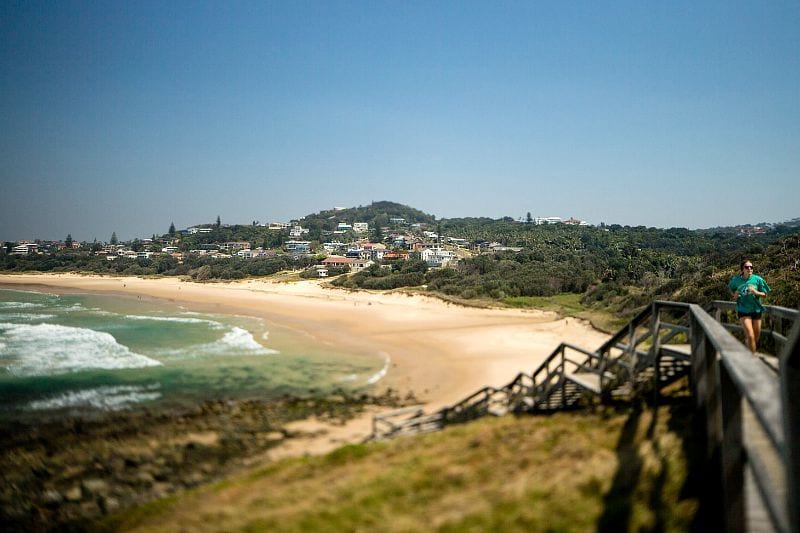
587	381
678	351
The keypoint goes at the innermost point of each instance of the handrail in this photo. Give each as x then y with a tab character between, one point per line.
726	377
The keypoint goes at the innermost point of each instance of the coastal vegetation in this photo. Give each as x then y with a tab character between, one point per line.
609	268
616	469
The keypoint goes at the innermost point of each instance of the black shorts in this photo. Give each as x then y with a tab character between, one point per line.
755	316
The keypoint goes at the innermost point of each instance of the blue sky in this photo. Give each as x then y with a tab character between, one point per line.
126	116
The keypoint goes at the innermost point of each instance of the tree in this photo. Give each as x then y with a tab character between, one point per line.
529	218
114	238
378	232
171	229
219	222
68	241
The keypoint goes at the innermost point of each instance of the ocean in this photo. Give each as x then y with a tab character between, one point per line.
79	354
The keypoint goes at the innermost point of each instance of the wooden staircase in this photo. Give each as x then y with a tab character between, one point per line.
648	354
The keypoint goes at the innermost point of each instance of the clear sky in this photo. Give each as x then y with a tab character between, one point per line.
126	116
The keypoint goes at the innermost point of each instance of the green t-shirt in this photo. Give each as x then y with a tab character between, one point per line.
748	303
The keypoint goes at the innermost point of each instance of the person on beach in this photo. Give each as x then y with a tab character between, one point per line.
747	289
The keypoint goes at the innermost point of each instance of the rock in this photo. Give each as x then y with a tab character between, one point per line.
52	498
109	505
198	439
89	509
162	489
273	437
95	487
195	478
73	494
145	478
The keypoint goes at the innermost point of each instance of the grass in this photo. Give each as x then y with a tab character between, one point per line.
611	470
568	304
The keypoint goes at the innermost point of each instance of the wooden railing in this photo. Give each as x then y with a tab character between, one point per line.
751	411
747	417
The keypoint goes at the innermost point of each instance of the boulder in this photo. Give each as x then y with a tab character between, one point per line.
52	498
73	494
95	487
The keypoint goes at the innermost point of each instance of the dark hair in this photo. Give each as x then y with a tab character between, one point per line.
741	265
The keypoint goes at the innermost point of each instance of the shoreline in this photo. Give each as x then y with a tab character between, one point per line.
440	352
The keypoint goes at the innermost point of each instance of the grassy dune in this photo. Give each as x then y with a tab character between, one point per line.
611	470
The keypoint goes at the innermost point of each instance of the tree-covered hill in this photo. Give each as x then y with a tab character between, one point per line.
618	268
377	215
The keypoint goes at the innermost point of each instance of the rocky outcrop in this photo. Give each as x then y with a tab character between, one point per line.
78	470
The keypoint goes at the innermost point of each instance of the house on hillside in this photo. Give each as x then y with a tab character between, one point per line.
25	248
354	264
297	232
437	257
395	256
234	246
298	247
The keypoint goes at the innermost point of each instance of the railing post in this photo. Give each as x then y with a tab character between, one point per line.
705	388
790	387
654	334
732	453
563	378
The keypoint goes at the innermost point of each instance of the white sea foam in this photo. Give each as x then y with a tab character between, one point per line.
19	305
241	339
109	398
27	317
46	349
178	319
237	341
377	376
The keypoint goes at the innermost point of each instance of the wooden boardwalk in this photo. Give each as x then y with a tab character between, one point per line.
749	405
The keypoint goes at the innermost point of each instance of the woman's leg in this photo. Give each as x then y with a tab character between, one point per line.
756	332
749	338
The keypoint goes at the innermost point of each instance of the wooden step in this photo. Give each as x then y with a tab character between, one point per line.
677	351
589	382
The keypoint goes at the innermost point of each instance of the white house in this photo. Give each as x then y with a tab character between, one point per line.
25	248
298	247
436	257
355	265
361	227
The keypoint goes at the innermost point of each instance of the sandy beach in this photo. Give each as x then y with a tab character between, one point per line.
438	351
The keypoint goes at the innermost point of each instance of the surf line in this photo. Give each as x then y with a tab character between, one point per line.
377	376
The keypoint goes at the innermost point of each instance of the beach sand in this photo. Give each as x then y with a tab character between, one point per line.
438	351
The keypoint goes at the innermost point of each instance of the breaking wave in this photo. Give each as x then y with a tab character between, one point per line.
107	398
48	349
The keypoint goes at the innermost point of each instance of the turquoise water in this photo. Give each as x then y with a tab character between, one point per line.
79	353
